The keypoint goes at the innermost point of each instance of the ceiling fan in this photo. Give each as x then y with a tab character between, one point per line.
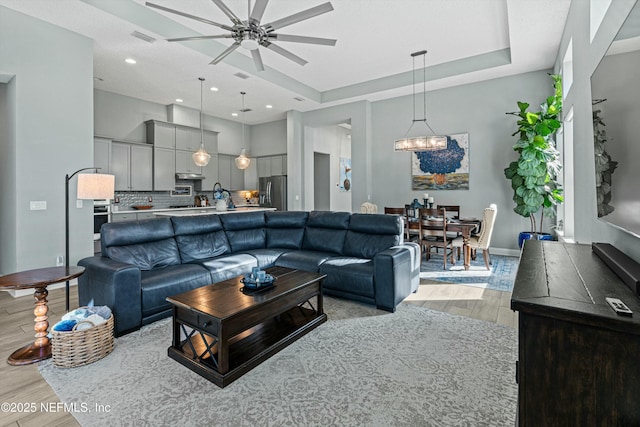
250	34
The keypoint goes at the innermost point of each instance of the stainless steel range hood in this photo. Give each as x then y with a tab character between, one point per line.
190	176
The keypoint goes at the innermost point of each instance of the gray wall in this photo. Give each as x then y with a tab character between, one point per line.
586	57
50	134
478	109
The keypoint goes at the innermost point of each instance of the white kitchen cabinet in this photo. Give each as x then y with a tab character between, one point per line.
132	166
264	167
164	169
161	134
237	176
187	139
224	171
251	175
116	217
185	164
210	172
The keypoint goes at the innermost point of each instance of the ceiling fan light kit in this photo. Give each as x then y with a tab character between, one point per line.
251	35
427	142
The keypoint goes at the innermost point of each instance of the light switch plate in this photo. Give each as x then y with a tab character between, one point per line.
79	203
38	205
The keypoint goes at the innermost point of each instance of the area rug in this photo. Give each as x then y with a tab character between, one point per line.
500	278
364	367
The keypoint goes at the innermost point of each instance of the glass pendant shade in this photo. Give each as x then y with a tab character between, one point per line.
242	161
201	157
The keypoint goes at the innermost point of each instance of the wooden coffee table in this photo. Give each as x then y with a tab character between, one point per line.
221	331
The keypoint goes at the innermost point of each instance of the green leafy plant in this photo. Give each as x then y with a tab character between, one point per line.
534	175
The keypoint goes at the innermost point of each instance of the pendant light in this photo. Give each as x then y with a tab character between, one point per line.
242	161
420	143
201	157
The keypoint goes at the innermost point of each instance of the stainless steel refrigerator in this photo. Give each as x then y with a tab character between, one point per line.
273	192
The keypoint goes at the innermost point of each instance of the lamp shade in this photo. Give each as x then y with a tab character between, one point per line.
96	186
242	161
201	157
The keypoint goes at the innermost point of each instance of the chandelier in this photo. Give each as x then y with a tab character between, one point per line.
420	143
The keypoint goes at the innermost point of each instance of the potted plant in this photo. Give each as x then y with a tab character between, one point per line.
534	175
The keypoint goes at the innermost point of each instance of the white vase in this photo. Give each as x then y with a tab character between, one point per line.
221	205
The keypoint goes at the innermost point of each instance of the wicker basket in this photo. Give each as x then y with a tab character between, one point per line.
76	348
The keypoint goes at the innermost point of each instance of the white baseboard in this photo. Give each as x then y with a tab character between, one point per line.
505	252
23	292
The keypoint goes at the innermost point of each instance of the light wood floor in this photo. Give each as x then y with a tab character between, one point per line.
25	385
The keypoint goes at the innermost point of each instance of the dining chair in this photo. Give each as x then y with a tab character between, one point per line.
368	207
434	233
414	227
401	212
453	211
483	239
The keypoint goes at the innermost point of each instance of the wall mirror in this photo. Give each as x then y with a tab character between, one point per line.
615	91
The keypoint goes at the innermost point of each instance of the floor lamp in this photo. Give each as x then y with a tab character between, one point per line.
90	186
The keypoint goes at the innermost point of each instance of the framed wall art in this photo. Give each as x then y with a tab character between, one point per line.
442	169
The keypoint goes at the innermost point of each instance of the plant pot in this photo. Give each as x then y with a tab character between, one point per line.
527	235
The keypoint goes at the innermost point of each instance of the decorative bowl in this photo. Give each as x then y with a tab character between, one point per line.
142	207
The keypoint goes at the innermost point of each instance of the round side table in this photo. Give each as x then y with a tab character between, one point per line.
39	279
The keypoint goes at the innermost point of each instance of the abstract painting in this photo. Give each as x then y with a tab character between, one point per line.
442	169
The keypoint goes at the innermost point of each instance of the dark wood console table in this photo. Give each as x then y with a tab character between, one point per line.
578	360
37	279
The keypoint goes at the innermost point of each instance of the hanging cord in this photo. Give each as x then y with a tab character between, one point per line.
243	94
201	104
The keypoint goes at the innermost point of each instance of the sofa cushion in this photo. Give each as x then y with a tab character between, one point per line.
266	257
160	283
285	229
147	244
349	274
369	234
303	260
326	231
228	266
200	237
245	230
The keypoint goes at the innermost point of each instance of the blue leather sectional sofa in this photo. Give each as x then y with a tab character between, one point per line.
144	262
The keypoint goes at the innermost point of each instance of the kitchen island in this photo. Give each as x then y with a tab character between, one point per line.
209	211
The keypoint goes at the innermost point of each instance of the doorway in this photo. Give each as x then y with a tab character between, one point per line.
322	181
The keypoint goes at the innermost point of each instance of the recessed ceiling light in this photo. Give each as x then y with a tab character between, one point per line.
179	100
269	106
130	61
215	89
234	114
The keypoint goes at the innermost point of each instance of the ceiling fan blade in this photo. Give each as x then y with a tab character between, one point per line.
257	59
184	39
258	11
300	16
186	15
285	53
224	54
223	7
302	39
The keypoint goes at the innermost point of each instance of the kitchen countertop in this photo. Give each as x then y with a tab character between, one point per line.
154	210
208	211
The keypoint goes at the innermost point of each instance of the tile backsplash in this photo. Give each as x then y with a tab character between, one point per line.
164	199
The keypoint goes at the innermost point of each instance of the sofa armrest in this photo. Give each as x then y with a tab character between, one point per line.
116	285
396	274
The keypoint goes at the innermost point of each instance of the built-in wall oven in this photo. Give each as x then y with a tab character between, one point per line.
101	215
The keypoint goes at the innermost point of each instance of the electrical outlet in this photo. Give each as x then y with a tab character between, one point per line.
59	261
38	205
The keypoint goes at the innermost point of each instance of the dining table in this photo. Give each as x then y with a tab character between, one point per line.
465	228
